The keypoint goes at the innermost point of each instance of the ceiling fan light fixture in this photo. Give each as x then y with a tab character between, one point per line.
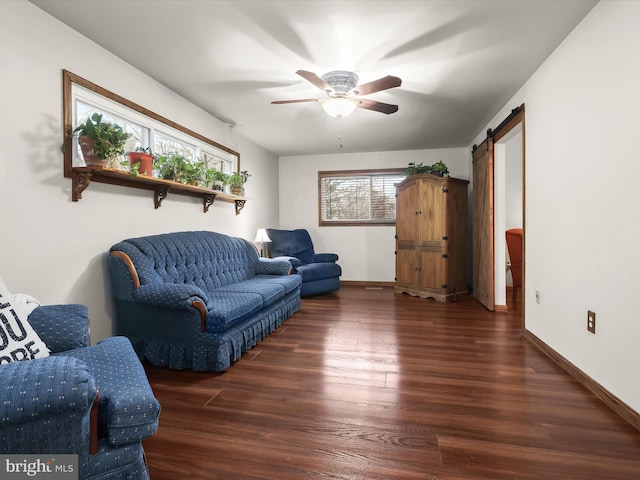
340	82
339	107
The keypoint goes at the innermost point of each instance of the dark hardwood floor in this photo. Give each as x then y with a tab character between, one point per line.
367	384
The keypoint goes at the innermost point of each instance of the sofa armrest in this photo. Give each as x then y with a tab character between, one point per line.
42	399
127	410
295	262
170	295
325	257
61	327
273	266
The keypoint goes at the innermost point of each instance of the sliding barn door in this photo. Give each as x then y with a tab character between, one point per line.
483	250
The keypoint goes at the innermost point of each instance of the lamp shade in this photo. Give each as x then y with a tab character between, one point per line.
261	236
339	107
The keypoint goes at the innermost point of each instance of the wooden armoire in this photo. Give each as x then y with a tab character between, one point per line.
431	237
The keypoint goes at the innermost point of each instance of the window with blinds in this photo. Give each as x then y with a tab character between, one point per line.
358	197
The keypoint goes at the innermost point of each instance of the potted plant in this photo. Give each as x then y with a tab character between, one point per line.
220	181
215	179
439	169
194	173
237	181
141	161
102	143
170	167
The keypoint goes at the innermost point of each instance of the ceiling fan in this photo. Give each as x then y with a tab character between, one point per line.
344	94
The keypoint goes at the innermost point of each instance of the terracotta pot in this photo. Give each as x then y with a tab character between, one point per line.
90	159
144	159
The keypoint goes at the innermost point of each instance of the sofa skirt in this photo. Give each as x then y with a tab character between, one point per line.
156	337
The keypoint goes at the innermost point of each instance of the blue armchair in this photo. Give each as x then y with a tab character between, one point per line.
319	271
93	401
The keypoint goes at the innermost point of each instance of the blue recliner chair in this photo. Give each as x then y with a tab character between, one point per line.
92	401
319	271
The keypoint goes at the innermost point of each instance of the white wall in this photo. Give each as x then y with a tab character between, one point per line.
581	193
366	253
53	248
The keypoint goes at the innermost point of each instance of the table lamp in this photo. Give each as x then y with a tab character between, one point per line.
262	238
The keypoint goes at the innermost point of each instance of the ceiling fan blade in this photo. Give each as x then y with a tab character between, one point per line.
301	100
315	79
377	106
378	85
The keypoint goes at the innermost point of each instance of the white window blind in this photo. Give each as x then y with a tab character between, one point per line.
358	197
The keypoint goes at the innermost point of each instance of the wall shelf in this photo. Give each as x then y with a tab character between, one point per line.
81	177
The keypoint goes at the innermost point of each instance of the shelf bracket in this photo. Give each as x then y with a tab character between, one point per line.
239	205
160	193
79	182
207	201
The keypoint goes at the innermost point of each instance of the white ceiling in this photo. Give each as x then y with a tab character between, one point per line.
459	61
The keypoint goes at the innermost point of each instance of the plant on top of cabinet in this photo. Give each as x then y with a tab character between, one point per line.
102	143
439	169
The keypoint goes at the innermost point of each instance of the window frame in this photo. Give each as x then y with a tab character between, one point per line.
353	173
70	81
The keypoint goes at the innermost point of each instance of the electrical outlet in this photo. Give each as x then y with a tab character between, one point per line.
537	296
591	321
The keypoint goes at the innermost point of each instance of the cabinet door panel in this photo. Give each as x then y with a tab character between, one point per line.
433	208
407	215
406	268
433	270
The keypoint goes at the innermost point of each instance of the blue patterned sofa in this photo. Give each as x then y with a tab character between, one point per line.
199	299
92	401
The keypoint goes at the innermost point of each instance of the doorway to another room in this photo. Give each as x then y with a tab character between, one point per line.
498	198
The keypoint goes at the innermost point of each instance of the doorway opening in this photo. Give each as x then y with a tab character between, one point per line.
508	215
498	197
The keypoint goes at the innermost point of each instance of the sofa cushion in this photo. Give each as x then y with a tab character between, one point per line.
288	282
269	291
127	411
227	309
318	271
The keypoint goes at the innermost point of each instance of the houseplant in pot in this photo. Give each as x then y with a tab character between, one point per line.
194	173
237	181
102	143
141	161
170	167
440	169
215	179
219	180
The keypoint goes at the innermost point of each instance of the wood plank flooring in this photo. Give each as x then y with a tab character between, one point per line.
365	384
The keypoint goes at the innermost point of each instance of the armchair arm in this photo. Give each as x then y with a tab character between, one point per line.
273	266
46	405
295	262
170	295
325	257
61	327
